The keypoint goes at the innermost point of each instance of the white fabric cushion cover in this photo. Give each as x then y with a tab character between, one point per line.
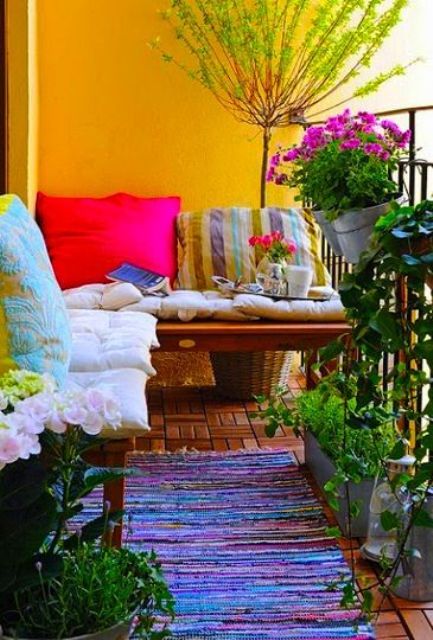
88	296
109	340
295	310
211	305
119	294
128	385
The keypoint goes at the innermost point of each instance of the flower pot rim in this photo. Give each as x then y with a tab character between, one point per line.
397	197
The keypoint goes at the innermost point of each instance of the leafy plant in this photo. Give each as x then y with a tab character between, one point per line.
97	589
44	478
321	411
344	164
271	61
391	312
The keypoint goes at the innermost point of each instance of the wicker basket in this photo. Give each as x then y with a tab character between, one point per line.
241	375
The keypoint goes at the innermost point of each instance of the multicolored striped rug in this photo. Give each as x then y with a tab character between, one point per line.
241	538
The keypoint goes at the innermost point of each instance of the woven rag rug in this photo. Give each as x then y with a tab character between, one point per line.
242	541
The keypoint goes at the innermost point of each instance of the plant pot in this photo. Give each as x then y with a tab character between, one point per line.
328	232
354	228
417	582
323	469
118	632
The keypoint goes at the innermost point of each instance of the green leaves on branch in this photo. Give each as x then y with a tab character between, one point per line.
269	61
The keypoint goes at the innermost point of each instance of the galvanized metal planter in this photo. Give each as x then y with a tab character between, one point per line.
322	468
329	232
417	583
354	228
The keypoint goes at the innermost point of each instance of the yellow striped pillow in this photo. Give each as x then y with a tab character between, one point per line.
215	242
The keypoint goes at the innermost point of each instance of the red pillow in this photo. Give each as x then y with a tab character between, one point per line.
88	237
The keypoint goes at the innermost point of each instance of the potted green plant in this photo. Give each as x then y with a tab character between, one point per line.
244	53
344	168
391	313
44	480
330	451
102	593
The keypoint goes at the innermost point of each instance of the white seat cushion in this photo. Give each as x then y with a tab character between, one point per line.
211	305
128	385
330	310
103	340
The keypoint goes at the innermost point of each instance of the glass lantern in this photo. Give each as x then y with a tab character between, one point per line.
381	543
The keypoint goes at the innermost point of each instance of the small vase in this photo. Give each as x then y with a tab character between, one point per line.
271	276
299	279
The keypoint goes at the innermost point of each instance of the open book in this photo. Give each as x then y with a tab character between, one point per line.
146	280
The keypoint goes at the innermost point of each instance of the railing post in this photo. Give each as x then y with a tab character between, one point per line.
412	155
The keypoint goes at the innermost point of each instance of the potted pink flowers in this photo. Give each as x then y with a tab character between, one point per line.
275	272
343	168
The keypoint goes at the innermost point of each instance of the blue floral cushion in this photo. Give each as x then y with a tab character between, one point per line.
34	324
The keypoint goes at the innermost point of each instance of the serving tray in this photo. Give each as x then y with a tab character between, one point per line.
229	287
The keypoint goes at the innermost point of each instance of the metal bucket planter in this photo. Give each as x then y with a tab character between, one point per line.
323	469
354	229
417	583
329	232
118	632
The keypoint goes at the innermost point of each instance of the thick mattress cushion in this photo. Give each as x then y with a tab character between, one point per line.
34	327
128	385
103	340
215	242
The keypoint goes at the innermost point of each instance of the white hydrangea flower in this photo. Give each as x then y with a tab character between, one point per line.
90	410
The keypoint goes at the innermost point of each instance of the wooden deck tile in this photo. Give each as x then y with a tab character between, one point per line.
417	624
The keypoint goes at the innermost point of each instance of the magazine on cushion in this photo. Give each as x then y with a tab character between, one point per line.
146	280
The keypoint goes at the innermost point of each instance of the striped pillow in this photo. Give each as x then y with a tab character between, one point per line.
215	242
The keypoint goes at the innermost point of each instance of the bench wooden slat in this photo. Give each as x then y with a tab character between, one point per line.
247	336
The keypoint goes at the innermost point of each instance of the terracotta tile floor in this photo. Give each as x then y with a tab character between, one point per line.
199	418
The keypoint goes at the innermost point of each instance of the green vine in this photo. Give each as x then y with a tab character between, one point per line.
389	305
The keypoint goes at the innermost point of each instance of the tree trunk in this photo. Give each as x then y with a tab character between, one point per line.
267	134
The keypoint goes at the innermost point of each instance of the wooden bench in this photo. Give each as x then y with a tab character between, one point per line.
220	337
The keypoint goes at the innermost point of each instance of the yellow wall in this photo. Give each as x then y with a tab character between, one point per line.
113	116
22	100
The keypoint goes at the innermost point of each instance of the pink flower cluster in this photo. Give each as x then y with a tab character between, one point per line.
274	245
382	139
91	410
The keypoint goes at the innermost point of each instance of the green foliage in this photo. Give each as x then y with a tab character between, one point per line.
36	502
325	419
391	312
95	590
357	452
338	181
270	60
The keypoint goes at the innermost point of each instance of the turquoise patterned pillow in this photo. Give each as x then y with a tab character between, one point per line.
34	324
